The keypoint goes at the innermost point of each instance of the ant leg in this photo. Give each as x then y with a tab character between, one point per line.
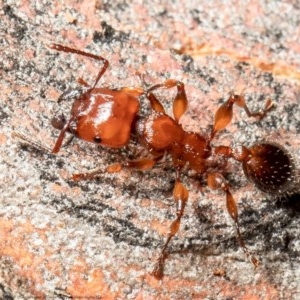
224	114
217	181
180	195
59	47
142	164
180	102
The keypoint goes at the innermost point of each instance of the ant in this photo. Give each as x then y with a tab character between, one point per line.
109	118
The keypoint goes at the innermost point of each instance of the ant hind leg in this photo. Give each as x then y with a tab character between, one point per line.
224	114
217	181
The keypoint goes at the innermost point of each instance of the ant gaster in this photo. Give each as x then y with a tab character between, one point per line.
108	117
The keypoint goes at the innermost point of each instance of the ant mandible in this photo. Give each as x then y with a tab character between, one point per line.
109	117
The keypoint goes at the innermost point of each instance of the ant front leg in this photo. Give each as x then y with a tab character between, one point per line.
224	114
180	102
217	181
180	195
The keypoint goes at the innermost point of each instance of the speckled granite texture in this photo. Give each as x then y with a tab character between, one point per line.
99	239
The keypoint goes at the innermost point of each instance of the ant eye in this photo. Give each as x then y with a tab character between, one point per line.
97	139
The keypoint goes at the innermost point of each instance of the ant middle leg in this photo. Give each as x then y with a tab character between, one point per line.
217	181
142	164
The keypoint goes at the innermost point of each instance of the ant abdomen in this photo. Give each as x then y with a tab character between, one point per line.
271	168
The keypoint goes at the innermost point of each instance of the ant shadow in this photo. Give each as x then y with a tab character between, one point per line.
291	203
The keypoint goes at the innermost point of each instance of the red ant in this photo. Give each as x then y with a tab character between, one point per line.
109	117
